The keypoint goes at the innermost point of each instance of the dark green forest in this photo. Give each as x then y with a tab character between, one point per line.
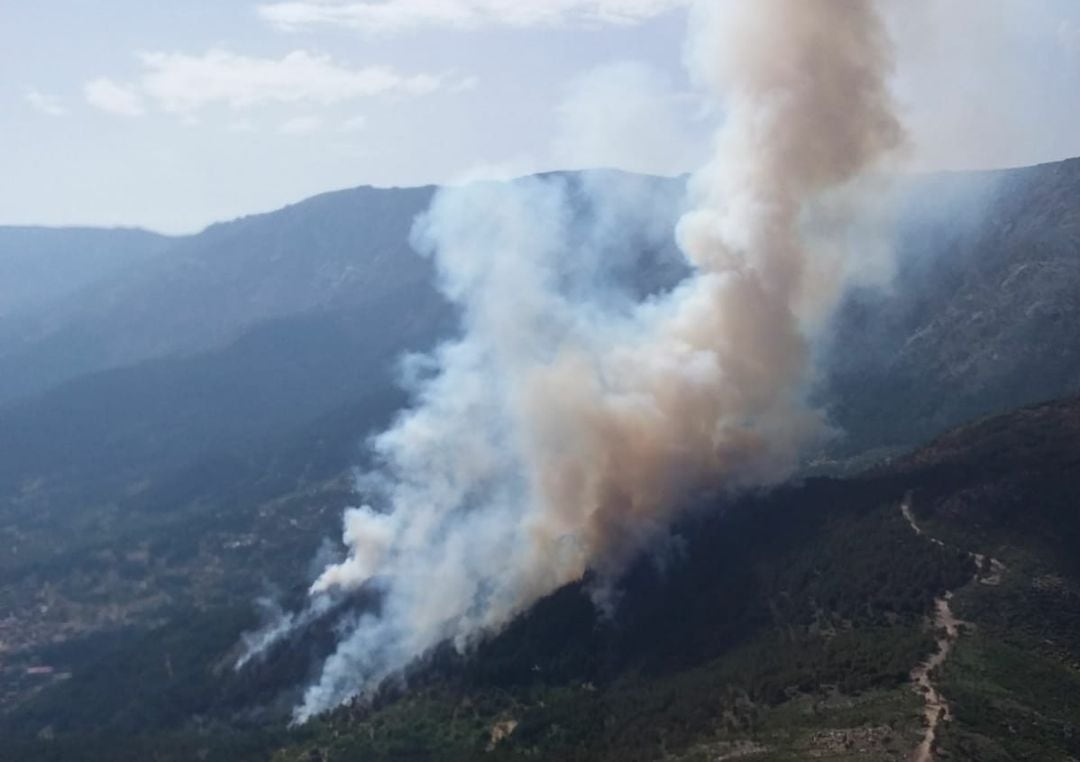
785	622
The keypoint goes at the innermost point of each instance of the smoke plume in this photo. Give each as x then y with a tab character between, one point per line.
570	424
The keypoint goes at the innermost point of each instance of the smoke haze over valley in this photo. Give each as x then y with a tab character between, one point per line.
581	422
759	443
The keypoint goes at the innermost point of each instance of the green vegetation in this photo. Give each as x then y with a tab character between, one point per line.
1017	669
791	624
783	625
176	442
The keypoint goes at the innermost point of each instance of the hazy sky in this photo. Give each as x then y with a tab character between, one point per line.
171	115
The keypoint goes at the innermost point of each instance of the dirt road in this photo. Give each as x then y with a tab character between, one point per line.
948	628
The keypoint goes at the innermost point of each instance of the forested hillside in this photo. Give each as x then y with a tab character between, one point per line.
168	460
786	625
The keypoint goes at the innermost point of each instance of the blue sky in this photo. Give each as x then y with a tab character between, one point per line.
171	115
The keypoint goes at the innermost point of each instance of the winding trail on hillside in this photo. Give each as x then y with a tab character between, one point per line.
945	622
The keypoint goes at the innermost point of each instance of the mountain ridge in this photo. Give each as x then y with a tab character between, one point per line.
145	505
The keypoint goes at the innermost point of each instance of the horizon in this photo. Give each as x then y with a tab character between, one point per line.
150	119
436	186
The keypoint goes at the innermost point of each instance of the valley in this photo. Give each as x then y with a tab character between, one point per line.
540	380
832	618
799	644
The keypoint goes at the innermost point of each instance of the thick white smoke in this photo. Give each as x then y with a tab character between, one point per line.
569	425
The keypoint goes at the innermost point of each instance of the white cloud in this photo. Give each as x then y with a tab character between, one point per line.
43	103
301	125
1068	35
109	96
185	84
242	125
397	15
354	124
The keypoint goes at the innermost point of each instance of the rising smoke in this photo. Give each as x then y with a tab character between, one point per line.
568	426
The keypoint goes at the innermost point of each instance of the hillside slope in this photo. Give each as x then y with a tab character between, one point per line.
73	459
152	503
337	251
780	627
983	316
41	266
340	249
793	628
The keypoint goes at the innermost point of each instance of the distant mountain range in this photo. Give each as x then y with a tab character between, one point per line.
181	296
41	267
268	322
983	315
179	417
223	339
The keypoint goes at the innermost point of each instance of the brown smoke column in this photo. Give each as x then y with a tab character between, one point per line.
709	394
557	437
